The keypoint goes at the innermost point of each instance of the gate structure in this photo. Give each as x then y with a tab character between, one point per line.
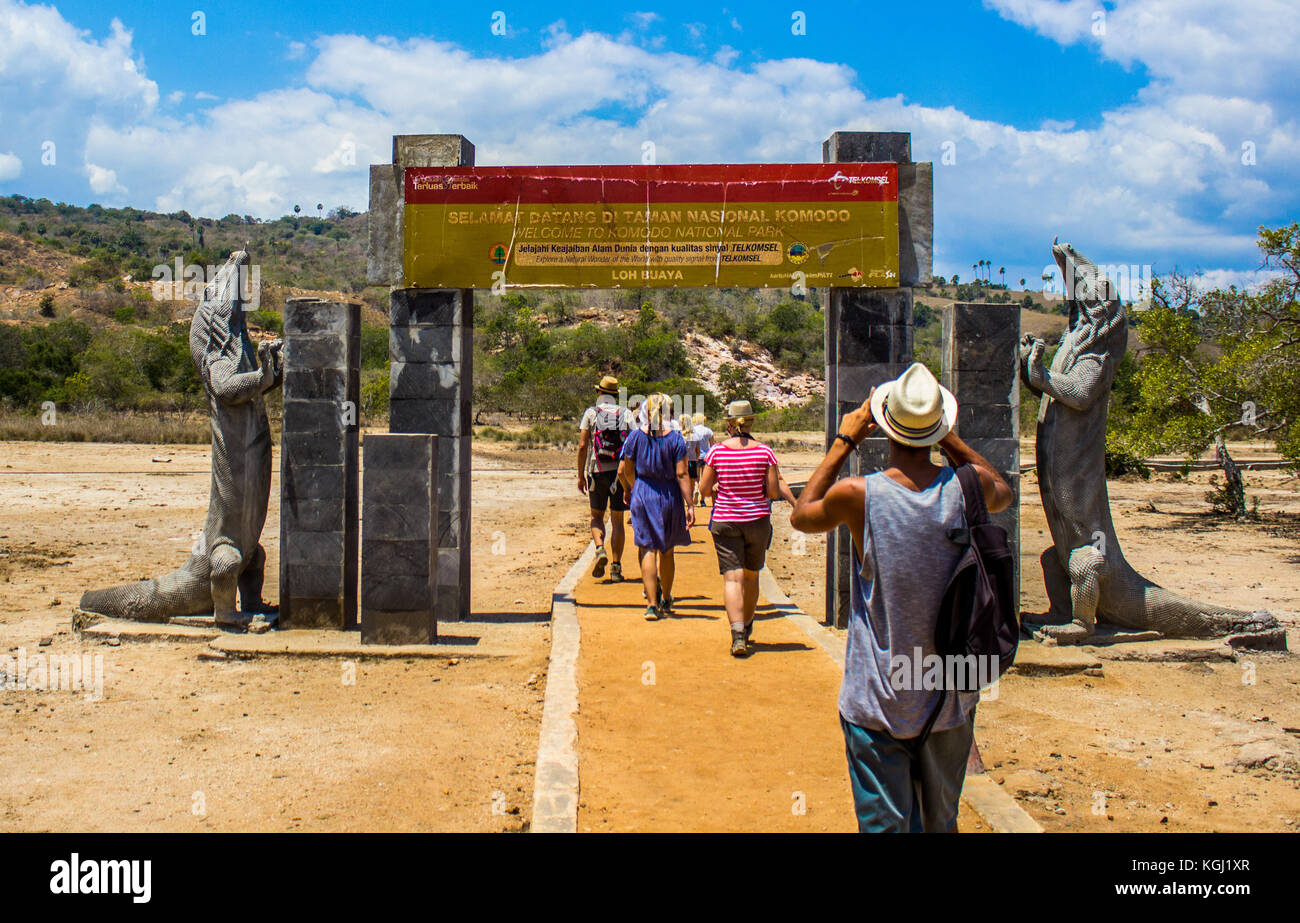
858	226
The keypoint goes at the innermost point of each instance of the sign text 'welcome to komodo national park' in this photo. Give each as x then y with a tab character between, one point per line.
744	225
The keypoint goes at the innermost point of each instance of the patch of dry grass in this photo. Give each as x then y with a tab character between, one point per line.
106	427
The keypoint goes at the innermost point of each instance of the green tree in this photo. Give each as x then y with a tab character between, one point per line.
1221	363
733	385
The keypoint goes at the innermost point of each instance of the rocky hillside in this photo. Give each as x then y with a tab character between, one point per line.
94	266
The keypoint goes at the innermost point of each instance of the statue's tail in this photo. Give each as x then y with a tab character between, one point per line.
1175	616
185	591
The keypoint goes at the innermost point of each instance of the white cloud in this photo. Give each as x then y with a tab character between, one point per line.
1157	181
1251	280
1245	48
11	166
103	181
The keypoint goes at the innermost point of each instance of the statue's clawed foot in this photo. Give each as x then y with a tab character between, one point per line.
1074	633
252	622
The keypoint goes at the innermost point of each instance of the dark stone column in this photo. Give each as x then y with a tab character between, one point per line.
981	369
869	331
431	333
430	353
318	464
872	344
399	549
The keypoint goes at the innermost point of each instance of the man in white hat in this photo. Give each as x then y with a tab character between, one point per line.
900	520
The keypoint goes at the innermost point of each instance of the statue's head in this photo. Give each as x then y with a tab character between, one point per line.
1083	281
1096	315
218	324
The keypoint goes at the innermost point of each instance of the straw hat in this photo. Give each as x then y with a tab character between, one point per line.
914	409
608	385
738	410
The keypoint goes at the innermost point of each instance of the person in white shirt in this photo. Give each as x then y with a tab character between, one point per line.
703	441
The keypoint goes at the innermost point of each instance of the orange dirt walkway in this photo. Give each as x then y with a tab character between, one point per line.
676	734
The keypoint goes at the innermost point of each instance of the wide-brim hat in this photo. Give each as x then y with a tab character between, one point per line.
914	409
608	385
737	410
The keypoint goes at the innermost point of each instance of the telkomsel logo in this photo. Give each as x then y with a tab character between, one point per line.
75	875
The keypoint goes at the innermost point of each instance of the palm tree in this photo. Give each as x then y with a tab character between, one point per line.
1002	271
1022	283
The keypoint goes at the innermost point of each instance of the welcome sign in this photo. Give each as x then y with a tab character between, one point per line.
710	225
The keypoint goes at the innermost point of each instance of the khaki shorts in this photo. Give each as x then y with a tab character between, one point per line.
741	544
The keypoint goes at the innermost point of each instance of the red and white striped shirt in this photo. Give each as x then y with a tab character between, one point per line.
742	481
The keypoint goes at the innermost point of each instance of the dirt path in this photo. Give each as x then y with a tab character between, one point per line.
676	734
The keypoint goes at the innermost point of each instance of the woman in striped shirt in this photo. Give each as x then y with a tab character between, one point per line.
742	475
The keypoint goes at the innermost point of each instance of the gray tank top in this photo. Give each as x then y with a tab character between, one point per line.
894	606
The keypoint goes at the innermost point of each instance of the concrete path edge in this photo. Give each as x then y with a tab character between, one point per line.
555	780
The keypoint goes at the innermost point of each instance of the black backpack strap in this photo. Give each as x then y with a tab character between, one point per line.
977	512
917	744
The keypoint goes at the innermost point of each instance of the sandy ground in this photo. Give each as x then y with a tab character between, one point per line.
180	744
1145	746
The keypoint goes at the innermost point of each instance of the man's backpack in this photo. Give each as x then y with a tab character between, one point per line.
979	613
607	434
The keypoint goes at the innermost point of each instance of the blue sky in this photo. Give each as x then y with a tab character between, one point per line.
1149	132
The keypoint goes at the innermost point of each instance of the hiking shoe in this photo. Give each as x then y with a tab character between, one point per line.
601	559
738	646
665	607
651	614
616	572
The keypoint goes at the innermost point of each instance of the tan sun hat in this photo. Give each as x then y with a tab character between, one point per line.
914	409
608	385
738	410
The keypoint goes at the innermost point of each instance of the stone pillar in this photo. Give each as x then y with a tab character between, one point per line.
869	331
431	353
318	464
399	548
430	336
981	368
872	344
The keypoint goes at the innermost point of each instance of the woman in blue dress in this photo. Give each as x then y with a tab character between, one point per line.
654	476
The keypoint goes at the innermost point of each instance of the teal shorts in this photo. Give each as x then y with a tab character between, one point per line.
886	797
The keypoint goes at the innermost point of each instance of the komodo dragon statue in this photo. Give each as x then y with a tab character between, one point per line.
226	557
1088	580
